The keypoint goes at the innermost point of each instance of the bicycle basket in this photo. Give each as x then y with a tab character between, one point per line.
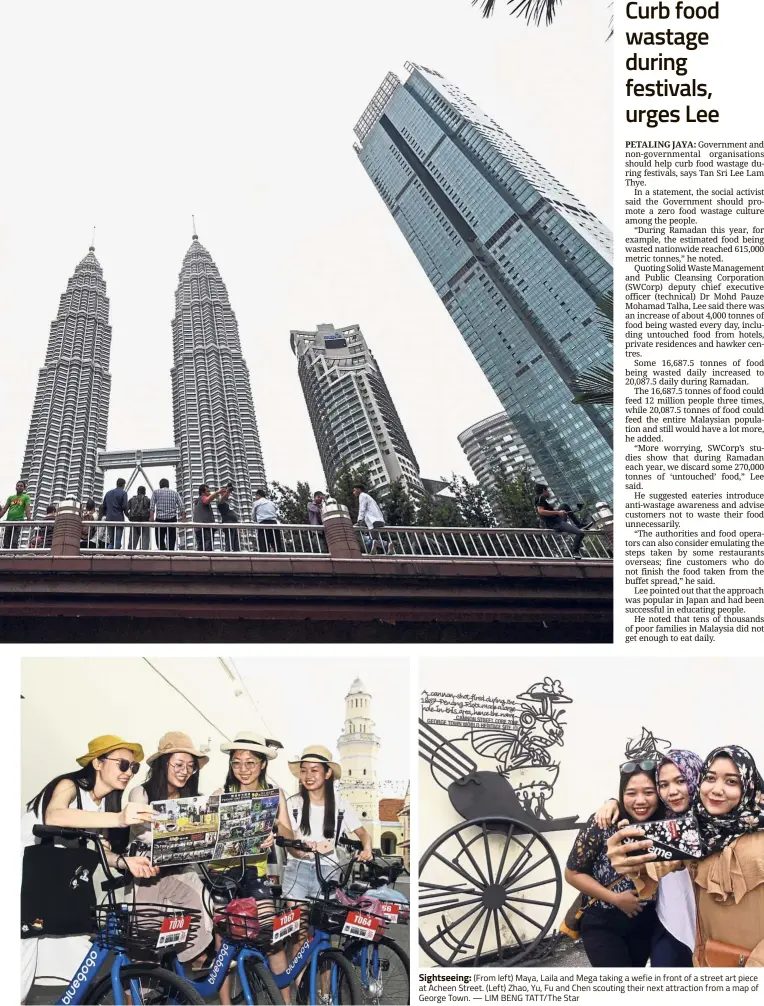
137	928
328	916
242	925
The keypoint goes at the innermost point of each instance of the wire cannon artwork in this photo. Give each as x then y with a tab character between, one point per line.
490	887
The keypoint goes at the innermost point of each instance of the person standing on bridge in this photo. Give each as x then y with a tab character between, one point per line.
17	506
114	508
370	516
166	508
138	510
555	519
203	515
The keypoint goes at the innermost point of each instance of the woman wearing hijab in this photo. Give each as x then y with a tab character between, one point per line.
617	924
678	779
729	880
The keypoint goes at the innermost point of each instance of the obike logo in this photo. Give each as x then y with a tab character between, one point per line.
300	954
82	976
220	961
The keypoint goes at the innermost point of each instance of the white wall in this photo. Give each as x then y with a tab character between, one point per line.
697	704
69	701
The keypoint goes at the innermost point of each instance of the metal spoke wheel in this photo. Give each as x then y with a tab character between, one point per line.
144	985
489	890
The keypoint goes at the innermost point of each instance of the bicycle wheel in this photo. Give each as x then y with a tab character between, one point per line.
265	991
337	982
153	985
383	971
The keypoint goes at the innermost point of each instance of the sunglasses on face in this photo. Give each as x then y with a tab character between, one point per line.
124	764
648	765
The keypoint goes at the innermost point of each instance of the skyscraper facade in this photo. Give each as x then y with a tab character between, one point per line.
213	412
495	444
354	419
71	407
518	262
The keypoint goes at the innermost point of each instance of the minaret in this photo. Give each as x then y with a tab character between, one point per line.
213	412
71	406
358	748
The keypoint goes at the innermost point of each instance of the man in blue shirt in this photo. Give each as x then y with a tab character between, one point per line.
114	508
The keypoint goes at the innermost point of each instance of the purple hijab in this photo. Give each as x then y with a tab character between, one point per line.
691	766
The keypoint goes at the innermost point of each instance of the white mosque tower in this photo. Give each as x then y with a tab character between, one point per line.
358	747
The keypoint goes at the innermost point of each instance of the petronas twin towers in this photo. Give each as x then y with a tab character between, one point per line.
213	412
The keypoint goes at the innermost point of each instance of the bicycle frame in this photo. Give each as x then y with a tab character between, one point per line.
229	953
88	970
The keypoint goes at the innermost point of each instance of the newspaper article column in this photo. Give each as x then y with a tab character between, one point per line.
693	317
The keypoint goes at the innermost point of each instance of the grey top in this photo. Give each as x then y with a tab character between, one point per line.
203	512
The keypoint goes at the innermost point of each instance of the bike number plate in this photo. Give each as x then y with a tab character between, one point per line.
390	911
285	924
174	931
363	926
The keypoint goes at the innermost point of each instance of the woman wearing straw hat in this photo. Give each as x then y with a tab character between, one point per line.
248	757
173	774
318	817
90	797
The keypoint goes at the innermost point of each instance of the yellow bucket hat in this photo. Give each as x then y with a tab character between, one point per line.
106	743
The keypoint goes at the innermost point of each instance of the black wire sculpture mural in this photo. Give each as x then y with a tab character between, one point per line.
490	887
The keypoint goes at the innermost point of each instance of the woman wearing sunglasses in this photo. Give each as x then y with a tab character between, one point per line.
674	938
729	880
616	925
90	797
173	774
248	757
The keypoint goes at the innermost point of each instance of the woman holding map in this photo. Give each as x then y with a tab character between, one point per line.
248	757
174	774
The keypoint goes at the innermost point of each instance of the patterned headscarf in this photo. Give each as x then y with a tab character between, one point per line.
718	830
690	765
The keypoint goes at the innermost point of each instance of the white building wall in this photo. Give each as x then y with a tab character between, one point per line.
67	702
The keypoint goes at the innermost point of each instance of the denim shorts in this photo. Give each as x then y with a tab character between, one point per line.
300	881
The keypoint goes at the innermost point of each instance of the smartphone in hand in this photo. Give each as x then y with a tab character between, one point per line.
674	838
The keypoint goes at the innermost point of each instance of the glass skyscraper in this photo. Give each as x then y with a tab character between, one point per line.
71	407
352	413
519	263
213	412
494	444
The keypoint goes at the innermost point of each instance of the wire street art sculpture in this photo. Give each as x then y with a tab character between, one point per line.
490	887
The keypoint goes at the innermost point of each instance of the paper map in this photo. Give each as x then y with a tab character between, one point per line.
196	829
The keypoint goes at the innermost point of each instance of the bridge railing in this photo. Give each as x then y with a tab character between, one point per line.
187	536
483	543
22	535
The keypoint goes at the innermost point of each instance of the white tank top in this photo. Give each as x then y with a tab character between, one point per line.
30	819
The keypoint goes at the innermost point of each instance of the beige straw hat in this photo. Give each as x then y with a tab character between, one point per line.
247	740
176	742
315	752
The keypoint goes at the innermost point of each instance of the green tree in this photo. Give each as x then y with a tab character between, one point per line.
438	511
398	506
292	504
595	386
472	502
512	498
342	487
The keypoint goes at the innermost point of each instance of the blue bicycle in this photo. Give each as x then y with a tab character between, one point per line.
126	931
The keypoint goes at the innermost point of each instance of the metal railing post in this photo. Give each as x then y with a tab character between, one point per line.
341	539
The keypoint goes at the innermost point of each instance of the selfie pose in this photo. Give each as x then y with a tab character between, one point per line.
90	798
678	779
729	880
174	773
617	924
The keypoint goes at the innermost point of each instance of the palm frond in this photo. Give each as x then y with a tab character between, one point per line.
534	11
595	386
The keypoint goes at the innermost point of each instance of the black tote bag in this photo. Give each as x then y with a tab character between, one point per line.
57	892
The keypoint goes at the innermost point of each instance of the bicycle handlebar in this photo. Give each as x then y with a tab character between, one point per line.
327	886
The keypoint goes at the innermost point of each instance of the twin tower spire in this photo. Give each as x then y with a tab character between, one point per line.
213	412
